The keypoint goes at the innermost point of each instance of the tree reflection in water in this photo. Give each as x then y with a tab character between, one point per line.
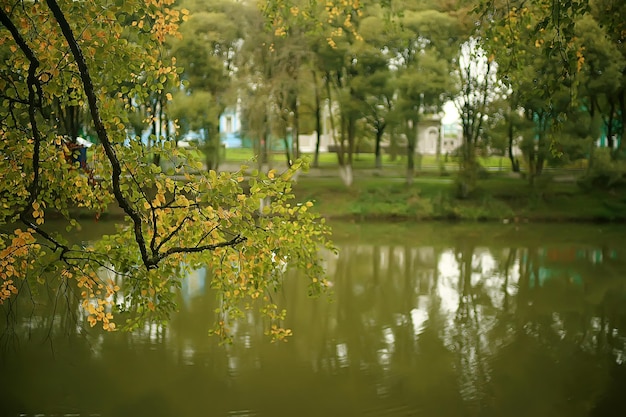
436	321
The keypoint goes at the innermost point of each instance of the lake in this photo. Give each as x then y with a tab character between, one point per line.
428	319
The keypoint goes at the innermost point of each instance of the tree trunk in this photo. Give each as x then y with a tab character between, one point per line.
410	169
468	173
295	129
410	160
411	145
345	151
318	122
351	139
622	112
212	147
378	150
346	174
609	126
336	142
514	160
287	152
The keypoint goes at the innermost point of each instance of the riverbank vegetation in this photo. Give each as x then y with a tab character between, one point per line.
569	193
497	198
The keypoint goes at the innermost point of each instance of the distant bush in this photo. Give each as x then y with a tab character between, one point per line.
396	201
604	172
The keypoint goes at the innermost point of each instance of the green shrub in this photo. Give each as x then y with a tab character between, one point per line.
604	172
393	201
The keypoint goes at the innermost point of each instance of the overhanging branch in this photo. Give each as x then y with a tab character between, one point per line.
34	102
101	130
150	261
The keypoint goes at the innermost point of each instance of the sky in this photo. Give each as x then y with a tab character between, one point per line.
451	115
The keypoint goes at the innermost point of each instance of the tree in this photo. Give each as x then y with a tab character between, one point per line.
375	83
425	47
609	15
476	85
334	60
584	37
172	222
207	51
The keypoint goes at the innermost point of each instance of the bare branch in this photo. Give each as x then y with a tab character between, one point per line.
233	242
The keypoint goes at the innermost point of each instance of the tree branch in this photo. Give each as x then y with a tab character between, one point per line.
34	101
233	242
150	261
101	131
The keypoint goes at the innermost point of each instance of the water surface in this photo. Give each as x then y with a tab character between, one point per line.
424	320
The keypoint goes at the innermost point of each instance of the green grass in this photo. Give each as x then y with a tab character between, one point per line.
384	194
328	160
239	154
497	198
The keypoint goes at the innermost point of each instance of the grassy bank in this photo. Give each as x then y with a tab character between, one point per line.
384	195
498	198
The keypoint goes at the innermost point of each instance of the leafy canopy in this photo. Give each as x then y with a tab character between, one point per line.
98	59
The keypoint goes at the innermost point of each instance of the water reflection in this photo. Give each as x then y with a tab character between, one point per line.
442	321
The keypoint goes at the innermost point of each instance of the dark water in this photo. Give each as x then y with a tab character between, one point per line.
425	320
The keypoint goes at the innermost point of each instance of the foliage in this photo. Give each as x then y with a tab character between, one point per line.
105	58
206	50
478	87
497	198
561	58
399	201
605	173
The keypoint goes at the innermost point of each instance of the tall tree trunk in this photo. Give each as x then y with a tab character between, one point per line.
333	131
346	174
295	129
345	151
210	147
351	139
318	122
468	175
514	160
609	125
410	164
287	150
263	147
411	145
378	150
622	112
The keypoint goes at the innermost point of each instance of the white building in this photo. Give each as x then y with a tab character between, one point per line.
431	136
